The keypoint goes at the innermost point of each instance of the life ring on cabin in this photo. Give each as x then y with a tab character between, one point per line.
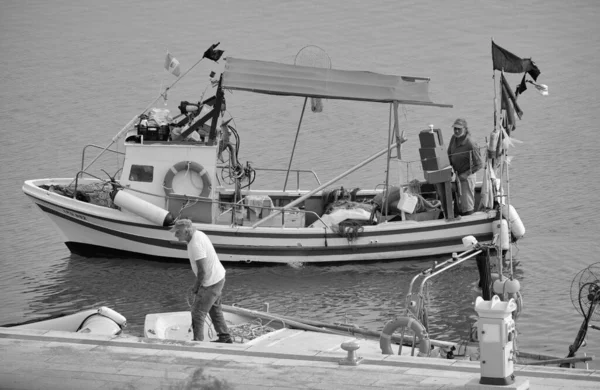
385	340
188	166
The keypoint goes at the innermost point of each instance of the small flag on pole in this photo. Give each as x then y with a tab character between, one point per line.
541	88
172	65
522	87
213	54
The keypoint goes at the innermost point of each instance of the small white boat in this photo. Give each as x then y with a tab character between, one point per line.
164	177
101	321
279	333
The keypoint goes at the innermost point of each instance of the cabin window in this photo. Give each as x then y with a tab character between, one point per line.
143	173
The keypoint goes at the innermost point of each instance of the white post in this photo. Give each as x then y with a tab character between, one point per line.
399	141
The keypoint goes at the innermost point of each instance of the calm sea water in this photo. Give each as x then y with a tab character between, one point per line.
73	73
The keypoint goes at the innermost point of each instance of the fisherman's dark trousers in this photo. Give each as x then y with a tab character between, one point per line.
208	300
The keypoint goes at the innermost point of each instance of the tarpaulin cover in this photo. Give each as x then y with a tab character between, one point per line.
291	80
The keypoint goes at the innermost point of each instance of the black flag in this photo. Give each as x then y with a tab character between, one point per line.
213	54
522	87
510	63
510	95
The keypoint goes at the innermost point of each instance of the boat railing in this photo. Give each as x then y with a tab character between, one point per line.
230	207
97	147
298	173
416	307
81	173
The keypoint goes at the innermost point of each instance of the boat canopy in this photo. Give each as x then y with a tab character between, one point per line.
291	80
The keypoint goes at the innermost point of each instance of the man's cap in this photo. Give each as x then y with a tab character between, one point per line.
460	122
181	224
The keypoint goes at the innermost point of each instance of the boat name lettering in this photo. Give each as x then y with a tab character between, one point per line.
76	215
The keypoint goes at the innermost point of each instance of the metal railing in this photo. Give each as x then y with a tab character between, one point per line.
97	147
296	171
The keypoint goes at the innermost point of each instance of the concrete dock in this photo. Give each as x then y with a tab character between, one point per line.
36	359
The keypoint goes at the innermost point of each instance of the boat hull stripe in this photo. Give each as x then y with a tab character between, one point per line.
278	251
261	234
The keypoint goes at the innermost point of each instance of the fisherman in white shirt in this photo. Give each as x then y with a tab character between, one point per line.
210	279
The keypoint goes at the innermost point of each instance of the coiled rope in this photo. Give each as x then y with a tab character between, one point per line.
350	229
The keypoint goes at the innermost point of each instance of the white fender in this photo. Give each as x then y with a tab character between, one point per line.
113	315
493	143
142	208
516	225
501	229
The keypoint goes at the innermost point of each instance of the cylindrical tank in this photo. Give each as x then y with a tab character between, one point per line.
142	208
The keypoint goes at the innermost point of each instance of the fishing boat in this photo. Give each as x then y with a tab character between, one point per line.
188	166
100	321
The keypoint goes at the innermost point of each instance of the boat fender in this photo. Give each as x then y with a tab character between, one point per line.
493	143
516	225
500	229
385	340
188	166
144	209
113	315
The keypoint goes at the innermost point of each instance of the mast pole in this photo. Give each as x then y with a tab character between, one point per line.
384	205
295	140
501	198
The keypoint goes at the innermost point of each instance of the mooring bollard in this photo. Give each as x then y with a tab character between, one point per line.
352	359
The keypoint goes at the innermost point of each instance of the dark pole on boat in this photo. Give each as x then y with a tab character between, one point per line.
494	81
212	136
322	186
295	140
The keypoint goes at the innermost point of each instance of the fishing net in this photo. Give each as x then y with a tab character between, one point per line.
249	330
315	57
95	193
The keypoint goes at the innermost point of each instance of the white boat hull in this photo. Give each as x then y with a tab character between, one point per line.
102	321
94	230
280	339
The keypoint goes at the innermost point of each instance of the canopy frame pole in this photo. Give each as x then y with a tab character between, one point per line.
287	174
322	186
386	190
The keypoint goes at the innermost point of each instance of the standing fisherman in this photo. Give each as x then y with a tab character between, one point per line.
210	279
466	161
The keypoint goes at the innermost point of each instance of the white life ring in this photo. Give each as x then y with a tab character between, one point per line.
385	340
191	166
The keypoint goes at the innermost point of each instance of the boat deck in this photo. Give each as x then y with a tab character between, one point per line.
34	359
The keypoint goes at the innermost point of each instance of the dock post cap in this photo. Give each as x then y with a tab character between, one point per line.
352	359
